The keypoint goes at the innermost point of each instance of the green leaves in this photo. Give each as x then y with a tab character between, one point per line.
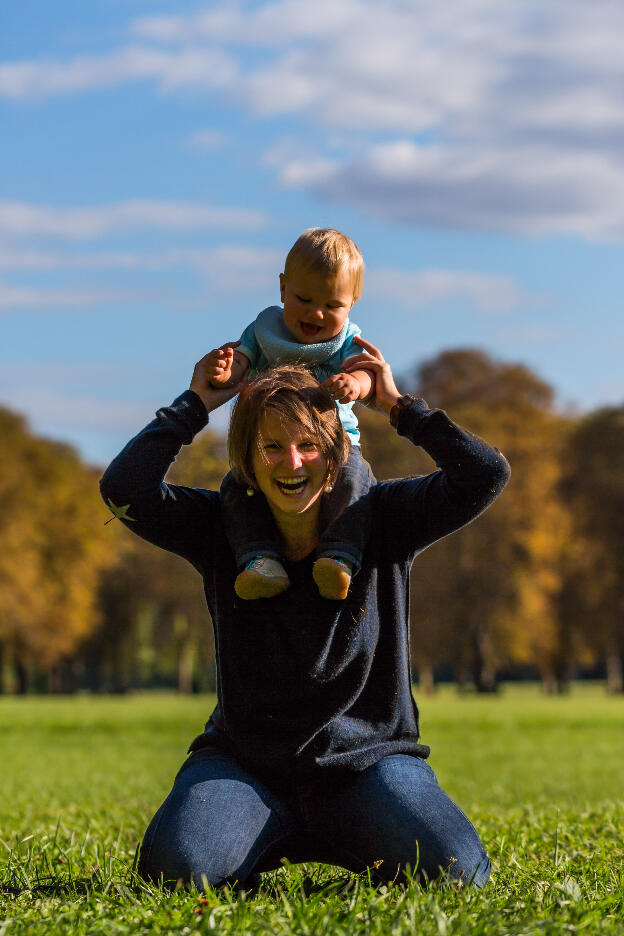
119	513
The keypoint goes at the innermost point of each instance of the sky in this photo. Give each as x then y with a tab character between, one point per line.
159	158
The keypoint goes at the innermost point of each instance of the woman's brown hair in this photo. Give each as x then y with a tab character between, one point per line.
294	395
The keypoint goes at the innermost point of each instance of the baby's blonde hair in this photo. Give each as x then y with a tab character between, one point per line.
326	250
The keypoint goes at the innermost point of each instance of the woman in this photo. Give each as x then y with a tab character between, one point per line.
313	750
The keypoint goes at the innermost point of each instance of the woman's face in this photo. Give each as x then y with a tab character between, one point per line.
290	469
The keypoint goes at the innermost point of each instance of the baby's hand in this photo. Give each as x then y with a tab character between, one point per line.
344	388
219	365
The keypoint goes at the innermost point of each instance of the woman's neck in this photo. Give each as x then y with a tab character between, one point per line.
299	532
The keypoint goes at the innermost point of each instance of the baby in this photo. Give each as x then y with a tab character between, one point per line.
322	280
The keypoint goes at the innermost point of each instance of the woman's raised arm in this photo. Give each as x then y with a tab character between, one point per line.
133	486
471	473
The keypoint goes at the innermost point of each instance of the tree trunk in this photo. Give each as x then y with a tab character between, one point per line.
21	677
426	682
483	673
54	680
186	665
549	683
615	675
485	679
463	677
71	671
186	653
93	671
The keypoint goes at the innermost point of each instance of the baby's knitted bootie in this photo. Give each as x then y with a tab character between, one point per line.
262	577
332	577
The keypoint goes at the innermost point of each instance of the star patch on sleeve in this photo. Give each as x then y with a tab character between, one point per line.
119	513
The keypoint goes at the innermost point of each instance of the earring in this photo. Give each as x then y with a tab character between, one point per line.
250	492
329	487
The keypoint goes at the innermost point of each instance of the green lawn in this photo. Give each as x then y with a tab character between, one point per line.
541	777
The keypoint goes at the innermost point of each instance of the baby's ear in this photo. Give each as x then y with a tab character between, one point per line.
282	282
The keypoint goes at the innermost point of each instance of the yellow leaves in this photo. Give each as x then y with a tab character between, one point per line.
53	546
489	595
203	464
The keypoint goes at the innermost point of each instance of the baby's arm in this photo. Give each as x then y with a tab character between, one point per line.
356	381
366	380
226	367
345	388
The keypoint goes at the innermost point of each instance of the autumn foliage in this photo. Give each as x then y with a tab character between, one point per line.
534	586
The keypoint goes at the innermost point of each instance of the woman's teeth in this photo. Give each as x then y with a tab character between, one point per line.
291	485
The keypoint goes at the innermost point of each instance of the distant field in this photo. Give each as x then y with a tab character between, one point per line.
541	777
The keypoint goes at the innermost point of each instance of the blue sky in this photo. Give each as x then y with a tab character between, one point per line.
158	159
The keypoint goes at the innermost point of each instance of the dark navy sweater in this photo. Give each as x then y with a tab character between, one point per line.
309	686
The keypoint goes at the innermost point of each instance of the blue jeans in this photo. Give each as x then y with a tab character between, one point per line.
345	517
220	824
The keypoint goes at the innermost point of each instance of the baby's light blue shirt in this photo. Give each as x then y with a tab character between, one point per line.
267	342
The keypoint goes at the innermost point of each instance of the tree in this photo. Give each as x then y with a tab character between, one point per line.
54	549
486	597
594	486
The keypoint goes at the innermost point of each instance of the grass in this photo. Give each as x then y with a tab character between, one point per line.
541	777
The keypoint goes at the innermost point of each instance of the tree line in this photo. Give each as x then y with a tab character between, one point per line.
534	587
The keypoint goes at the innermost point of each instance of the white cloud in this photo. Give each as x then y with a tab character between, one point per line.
240	268
226	269
471	113
15	260
269	24
26	297
237	267
536	190
205	67
208	140
486	293
23	220
227	266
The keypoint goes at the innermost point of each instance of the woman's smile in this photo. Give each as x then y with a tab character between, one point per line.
291	486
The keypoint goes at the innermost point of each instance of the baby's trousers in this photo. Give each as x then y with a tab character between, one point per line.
220	825
344	522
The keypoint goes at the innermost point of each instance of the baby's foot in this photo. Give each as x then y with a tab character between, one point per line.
332	576
263	577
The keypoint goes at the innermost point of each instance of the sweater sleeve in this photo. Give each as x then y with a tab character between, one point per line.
470	476
174	517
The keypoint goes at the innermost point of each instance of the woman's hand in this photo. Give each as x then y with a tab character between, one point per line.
386	393
200	381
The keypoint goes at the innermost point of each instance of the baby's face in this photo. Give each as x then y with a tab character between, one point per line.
316	305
